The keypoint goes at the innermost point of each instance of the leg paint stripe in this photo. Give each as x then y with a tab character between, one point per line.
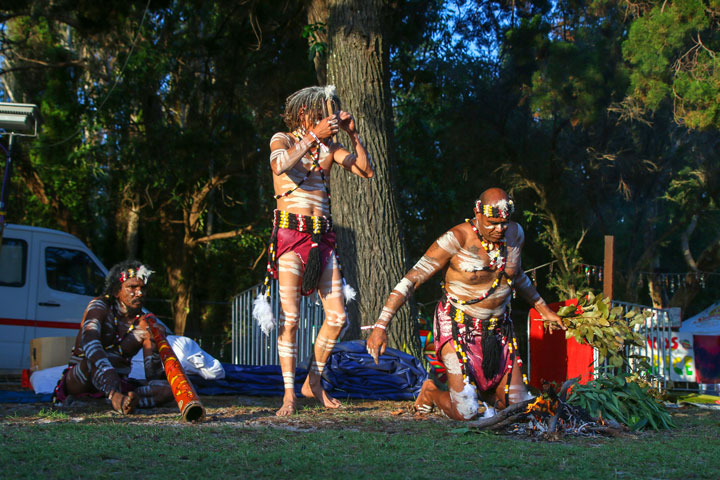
288	380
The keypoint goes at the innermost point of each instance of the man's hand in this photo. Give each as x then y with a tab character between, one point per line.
347	122
326	128
556	322
377	343
144	325
144	329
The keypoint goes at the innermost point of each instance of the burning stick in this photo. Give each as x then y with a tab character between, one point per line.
561	403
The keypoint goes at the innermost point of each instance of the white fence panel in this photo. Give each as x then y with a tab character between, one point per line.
250	346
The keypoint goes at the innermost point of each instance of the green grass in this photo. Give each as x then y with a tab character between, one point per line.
351	444
51	414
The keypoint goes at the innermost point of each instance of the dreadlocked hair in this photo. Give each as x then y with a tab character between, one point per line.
112	280
312	101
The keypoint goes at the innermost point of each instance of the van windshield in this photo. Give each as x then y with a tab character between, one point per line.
72	271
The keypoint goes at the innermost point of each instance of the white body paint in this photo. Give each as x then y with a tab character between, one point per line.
386	315
452	364
449	243
426	266
461	289
465	402
469	261
310	197
403	287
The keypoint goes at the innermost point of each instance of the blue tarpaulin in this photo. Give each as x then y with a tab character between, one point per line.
265	380
24	396
349	373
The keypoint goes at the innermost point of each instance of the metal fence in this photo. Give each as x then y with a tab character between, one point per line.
250	346
656	350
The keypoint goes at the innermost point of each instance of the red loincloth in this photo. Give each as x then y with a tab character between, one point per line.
442	330
300	243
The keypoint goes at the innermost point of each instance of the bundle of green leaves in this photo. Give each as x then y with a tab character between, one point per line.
623	398
608	329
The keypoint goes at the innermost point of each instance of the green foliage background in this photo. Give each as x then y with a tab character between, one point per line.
599	116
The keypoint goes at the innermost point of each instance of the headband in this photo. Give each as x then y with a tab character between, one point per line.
502	209
142	273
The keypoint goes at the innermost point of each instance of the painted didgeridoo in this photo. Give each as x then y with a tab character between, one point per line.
188	402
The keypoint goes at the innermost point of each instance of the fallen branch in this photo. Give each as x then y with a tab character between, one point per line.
561	403
514	410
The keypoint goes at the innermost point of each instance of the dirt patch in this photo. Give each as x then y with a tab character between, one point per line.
239	411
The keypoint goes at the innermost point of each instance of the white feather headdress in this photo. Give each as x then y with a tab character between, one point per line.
329	91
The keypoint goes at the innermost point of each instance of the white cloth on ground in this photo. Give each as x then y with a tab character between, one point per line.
194	360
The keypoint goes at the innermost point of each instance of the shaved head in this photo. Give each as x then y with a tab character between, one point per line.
496	203
492	196
492	212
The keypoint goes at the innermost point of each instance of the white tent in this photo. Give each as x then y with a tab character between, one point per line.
705	331
706	322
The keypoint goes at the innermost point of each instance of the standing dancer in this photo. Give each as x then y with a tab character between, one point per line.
473	332
301	253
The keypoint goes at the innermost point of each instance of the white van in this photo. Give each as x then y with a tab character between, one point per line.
47	278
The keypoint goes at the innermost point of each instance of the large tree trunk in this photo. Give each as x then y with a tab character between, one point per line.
132	227
176	255
181	299
318	14
365	212
128	218
657	296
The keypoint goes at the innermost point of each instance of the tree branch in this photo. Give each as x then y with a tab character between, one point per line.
220	236
36	67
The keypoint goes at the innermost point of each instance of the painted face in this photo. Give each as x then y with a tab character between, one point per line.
492	229
309	120
131	294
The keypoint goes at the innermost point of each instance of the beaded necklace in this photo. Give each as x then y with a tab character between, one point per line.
497	259
498	254
315	155
118	310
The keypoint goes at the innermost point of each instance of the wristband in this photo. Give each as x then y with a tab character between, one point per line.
312	134
368	327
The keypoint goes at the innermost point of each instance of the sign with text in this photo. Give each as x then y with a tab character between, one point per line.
677	350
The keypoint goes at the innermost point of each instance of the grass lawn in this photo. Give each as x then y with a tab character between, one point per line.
380	440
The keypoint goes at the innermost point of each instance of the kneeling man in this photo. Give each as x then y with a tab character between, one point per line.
472	327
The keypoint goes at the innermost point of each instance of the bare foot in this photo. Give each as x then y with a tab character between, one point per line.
312	388
424	402
124	404
288	407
